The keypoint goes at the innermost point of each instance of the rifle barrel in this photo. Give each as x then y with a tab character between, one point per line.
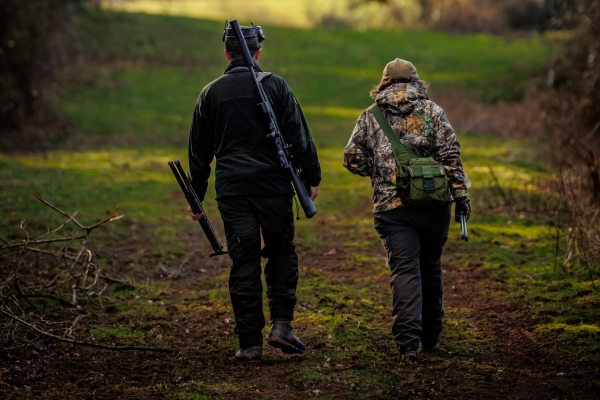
274	132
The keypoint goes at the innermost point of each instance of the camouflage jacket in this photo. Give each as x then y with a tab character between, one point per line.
421	125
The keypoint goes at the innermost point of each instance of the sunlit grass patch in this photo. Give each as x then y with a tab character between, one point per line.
289	12
139	182
340	112
122	332
577	340
577	330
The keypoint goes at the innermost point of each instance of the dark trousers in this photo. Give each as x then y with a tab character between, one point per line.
413	239
244	218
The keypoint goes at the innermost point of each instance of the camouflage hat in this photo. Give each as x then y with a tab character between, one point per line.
400	69
252	34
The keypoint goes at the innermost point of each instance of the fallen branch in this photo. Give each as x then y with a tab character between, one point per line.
80	343
25	243
46	296
65	269
112	217
22	345
70	217
179	272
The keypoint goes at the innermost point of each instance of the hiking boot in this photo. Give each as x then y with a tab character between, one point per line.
429	346
282	337
250	355
410	357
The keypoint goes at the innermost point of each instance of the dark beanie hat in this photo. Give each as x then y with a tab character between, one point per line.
252	34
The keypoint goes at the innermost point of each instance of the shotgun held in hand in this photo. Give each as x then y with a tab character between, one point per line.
196	205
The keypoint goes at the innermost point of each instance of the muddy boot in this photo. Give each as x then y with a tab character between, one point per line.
282	337
250	355
409	357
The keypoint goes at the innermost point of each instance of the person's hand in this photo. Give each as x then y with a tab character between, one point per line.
314	192
462	207
195	217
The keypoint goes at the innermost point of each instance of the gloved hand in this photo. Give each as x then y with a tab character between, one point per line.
462	207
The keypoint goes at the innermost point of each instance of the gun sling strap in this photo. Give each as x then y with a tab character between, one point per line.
403	154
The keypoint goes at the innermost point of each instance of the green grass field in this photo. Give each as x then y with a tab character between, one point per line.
291	13
131	108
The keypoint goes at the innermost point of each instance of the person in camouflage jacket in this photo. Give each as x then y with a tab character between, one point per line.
413	237
424	129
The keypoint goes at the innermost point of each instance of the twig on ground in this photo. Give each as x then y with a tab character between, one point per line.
69	330
122	281
80	343
70	217
556	249
179	271
47	296
22	345
24	243
112	217
582	245
70	274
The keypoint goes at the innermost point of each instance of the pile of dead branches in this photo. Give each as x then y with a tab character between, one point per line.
48	281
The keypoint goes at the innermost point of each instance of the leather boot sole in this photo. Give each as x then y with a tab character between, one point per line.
285	347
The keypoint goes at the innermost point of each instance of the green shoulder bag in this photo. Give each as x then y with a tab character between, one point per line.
422	182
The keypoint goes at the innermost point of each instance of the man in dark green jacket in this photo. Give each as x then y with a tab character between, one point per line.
254	192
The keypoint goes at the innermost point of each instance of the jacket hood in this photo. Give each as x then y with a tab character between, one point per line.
401	98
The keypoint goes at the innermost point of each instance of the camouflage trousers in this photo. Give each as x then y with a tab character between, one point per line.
244	219
413	239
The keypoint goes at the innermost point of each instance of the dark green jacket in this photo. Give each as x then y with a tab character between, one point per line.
227	124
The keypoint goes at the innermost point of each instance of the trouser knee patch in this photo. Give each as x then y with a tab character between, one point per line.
277	242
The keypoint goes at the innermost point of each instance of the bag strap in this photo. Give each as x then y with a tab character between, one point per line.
401	152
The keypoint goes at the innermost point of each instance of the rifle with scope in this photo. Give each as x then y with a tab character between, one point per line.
275	135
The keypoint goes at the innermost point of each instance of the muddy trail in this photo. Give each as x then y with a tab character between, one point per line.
529	371
489	348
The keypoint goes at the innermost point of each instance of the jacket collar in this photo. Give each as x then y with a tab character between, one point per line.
237	65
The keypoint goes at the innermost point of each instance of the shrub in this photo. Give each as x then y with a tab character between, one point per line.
573	102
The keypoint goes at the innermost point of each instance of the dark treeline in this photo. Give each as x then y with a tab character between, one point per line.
575	71
36	37
487	15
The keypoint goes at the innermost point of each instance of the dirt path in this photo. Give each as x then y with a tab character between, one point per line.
530	372
489	350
